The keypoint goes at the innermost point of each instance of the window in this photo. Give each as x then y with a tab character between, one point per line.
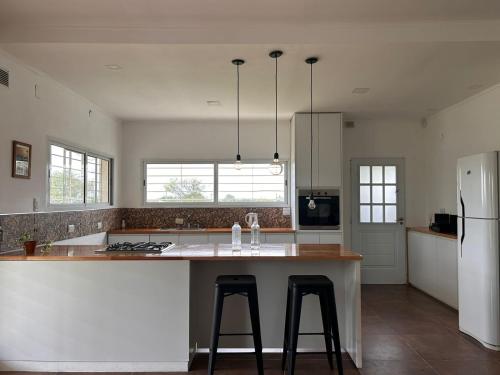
77	178
97	180
213	183
377	194
180	183
253	183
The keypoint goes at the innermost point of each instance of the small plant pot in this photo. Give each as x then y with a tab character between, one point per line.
29	247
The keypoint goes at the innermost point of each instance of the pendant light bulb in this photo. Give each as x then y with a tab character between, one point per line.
312	204
276	167
238	62
237	162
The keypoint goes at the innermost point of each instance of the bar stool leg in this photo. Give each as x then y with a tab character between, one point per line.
216	319
294	329
335	329
327	329
286	338
253	304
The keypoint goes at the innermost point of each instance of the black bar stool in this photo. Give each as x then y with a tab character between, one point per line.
298	287
225	286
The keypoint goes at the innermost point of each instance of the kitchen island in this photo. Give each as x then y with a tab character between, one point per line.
78	310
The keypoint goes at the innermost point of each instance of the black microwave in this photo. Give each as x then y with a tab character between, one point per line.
326	215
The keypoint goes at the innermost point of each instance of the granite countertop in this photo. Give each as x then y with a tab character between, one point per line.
194	231
426	230
205	252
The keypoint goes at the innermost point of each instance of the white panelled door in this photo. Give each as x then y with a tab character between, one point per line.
377	212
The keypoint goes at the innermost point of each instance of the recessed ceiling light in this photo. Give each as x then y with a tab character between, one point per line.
213	103
113	67
475	86
360	90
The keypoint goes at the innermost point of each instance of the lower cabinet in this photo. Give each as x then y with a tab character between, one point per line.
114	238
319	237
433	266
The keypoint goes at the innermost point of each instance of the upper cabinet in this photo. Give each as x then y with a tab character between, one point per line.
327	149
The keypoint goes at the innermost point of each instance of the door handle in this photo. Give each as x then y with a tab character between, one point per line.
401	220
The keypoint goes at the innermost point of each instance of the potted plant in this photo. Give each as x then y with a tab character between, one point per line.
47	247
28	243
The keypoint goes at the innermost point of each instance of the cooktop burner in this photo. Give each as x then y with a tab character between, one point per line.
139	247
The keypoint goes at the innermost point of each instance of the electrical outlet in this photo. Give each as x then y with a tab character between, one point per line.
71	228
99	225
286	211
35	205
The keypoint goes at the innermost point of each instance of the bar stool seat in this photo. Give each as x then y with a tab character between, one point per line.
225	286
298	287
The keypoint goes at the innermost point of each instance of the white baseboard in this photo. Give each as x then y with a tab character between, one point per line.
41	366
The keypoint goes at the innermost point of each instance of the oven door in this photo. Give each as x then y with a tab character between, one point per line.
326	215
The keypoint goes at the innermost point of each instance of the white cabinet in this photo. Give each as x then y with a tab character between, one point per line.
114	238
327	149
278	238
164	238
319	237
433	266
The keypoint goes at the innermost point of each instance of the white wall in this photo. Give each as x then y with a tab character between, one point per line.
59	113
469	127
198	140
387	138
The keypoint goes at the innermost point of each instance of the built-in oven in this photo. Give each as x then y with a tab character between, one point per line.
326	215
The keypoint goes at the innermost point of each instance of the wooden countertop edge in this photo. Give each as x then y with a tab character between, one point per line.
186	258
425	230
194	231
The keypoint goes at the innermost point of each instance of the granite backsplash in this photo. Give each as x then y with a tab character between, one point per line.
216	217
53	226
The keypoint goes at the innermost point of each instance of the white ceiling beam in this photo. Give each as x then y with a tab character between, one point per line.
456	31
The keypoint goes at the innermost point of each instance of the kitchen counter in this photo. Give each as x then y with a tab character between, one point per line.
194	231
206	252
78	311
426	230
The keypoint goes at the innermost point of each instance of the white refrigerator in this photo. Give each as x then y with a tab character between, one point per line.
479	248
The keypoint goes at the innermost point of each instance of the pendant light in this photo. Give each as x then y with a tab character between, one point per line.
311	61
238	62
276	168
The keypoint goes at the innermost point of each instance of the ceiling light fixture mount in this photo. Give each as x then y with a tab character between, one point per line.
113	67
276	168
311	61
238	62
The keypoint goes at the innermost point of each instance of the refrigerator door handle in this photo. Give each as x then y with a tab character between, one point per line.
463	223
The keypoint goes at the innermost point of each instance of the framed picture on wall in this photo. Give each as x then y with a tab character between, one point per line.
21	160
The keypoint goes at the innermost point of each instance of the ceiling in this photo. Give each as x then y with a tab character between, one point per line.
415	56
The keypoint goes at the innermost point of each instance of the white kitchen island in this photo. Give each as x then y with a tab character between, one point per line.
74	310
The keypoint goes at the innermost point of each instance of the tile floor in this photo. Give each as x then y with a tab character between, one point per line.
405	332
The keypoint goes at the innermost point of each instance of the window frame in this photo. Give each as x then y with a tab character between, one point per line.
216	202
85	153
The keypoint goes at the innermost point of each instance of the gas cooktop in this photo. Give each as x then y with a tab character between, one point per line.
138	247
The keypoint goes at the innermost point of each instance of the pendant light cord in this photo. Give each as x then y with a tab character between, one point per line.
311	129
238	103
276	97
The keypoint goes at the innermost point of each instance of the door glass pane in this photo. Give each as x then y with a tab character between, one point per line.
390	214
364	174
377	194
390	174
378	214
364	214
364	194
376	175
390	194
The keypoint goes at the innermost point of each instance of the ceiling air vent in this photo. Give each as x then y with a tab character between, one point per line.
4	77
